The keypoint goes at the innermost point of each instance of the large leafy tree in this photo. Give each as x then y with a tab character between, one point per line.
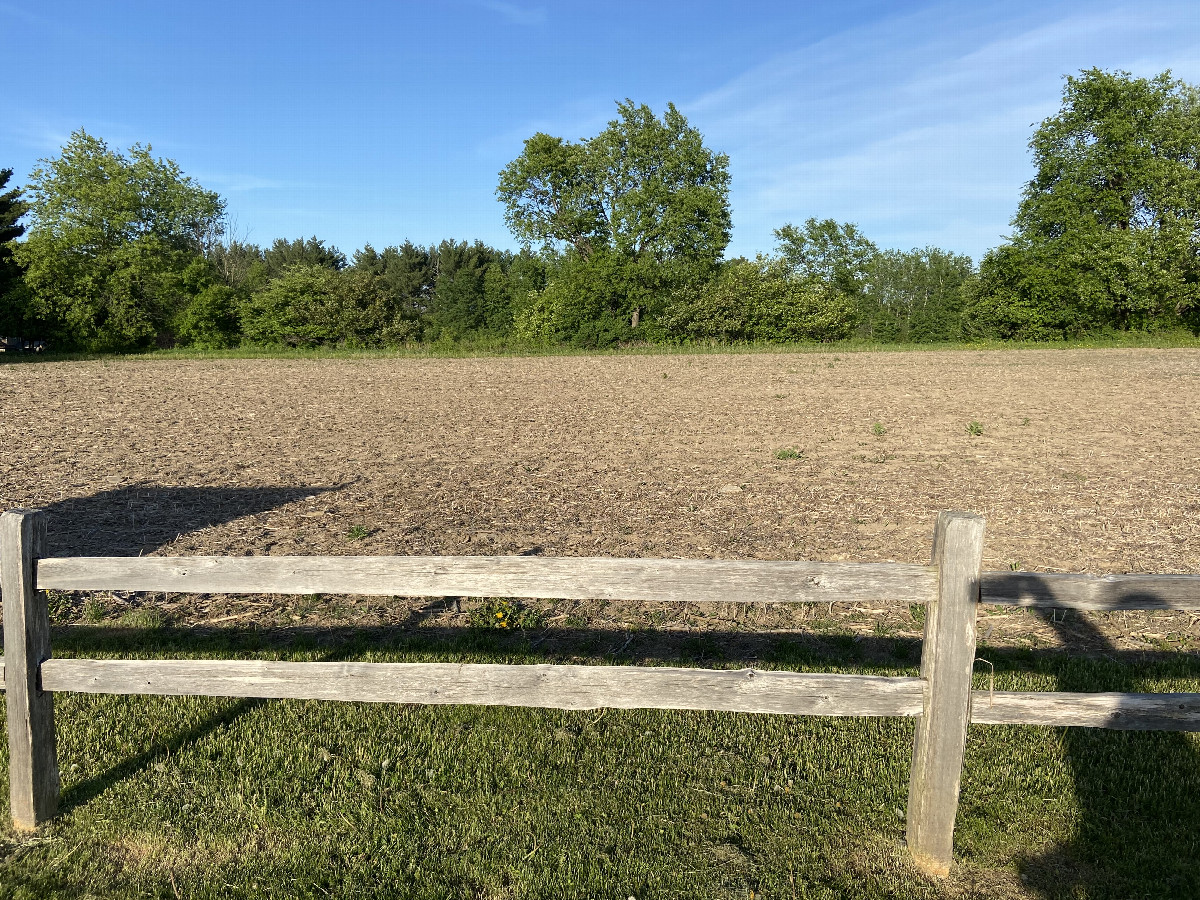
642	186
115	244
1108	230
643	205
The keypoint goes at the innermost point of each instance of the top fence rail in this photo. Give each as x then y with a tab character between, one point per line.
551	578
583	578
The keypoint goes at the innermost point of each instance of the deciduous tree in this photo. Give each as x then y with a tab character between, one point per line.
837	254
115	244
915	296
1108	229
644	185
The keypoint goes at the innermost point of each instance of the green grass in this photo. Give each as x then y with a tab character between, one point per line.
510	348
198	797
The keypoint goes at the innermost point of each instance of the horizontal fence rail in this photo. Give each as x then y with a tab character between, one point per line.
557	578
1125	712
584	578
578	687
553	686
1098	593
615	687
595	687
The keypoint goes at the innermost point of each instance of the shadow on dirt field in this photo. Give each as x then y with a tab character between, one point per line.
140	518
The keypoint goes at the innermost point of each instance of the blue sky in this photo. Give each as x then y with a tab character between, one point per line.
377	122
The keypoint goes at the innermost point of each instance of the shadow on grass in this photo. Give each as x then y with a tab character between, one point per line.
81	793
85	791
1138	793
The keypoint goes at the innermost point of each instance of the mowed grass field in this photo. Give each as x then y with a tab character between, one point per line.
1081	460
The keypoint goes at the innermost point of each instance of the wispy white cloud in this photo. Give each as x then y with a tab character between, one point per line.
515	13
916	126
45	136
238	182
13	11
581	118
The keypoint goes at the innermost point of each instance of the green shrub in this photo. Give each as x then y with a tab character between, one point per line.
210	320
311	306
588	301
759	301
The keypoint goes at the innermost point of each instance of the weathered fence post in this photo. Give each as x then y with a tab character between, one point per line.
33	758
947	660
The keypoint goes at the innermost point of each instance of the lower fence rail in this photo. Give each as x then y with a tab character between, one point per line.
552	686
614	687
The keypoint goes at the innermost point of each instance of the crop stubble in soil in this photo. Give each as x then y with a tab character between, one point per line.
1087	461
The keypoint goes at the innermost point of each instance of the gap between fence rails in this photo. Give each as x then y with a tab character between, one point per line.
941	699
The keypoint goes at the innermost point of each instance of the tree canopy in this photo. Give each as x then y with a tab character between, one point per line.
1108	230
284	254
624	238
915	296
114	244
641	186
835	253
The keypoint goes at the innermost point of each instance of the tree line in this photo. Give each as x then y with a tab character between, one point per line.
623	240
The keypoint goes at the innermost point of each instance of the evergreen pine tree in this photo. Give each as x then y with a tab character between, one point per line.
12	294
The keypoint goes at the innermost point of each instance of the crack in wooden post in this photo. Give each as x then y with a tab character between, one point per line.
33	757
947	660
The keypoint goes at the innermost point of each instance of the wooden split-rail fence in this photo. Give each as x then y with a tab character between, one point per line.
941	699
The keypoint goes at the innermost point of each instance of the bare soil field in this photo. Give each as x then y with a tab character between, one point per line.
1087	461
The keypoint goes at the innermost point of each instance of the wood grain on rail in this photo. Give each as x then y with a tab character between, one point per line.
1126	712
565	578
553	686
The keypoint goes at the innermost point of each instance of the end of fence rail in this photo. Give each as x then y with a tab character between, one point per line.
33	755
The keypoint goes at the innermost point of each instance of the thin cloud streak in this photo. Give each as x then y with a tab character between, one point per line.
916	127
518	15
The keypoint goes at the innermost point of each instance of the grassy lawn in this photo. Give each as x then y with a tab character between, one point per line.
511	347
197	797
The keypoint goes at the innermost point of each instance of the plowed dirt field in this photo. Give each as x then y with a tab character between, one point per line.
1088	460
